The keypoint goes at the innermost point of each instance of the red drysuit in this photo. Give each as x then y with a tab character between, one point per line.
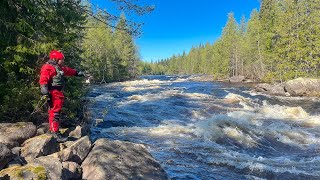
55	82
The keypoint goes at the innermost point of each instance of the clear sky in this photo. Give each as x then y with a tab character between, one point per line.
176	25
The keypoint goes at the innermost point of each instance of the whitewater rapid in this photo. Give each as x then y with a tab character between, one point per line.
207	130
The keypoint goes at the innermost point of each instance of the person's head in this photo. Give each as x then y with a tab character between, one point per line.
57	56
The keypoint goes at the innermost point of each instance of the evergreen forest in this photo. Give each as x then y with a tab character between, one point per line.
279	42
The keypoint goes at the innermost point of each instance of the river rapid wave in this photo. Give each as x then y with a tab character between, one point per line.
206	130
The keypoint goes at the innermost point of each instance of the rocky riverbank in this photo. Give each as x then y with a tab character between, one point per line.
30	152
300	87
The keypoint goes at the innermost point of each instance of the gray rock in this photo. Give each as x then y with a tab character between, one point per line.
76	152
39	146
5	155
53	166
236	79
43	129
263	87
16	151
79	132
276	89
120	160
13	134
303	87
71	170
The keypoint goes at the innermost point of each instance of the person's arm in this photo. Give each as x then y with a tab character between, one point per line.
71	72
46	74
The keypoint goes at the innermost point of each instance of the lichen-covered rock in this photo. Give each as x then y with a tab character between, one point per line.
120	160
71	170
28	172
76	152
39	146
5	155
303	87
13	134
53	166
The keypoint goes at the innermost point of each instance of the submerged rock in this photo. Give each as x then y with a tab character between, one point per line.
120	160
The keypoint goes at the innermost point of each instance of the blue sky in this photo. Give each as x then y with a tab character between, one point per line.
177	25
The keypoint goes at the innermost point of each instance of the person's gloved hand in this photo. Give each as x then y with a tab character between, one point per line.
44	89
45	98
80	73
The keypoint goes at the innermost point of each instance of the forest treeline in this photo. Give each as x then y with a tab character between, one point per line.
93	40
277	43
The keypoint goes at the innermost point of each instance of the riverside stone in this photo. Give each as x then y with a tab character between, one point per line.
43	129
276	89
71	170
13	134
120	160
39	146
5	155
236	79
52	166
76	152
79	132
303	87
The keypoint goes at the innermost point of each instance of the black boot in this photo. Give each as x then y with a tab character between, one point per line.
59	137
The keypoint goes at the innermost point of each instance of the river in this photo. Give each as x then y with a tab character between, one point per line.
209	130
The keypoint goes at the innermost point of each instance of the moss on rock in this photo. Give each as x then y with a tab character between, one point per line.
25	172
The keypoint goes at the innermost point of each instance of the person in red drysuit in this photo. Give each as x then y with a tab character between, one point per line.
52	84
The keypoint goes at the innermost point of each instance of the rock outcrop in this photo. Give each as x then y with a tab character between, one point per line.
42	157
303	87
295	87
120	160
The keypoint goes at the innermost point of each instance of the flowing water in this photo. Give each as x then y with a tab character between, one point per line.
207	130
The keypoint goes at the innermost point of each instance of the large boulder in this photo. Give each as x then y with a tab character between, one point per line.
53	166
303	87
39	146
13	134
276	89
5	155
236	79
120	160
76	152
